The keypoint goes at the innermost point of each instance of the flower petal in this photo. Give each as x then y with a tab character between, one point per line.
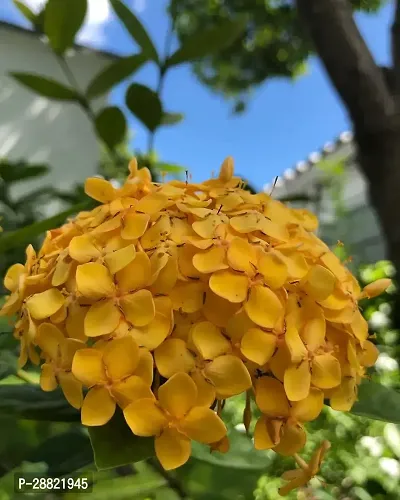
82	249
308	408
71	388
102	318
218	310
295	345
211	260
120	258
208	340
98	407
134	225
229	375
49	338
88	367
263	439
344	396
326	372
263	307
74	323
205	391
153	334
229	285
292	440
271	397
44	304
100	189
144	417
94	281
273	268
203	425
258	346
241	256
172	448
370	354
131	389
297	380
313	333
121	357
188	297
320	282
138	307
172	356
48	380
178	395
12	277
152	203
145	367
135	275
206	227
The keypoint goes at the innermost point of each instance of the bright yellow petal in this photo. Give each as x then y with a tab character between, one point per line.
271	397
120	258
211	260
71	388
144	417
229	375
263	307
157	233
188	297
373	289
131	389
134	225
13	276
295	345
74	323
61	273
344	396
273	268
88	367
203	425
102	318
138	307
241	256
258	346
153	334
98	407
152	203
206	227
263	440
172	356
330	261
68	348
313	333
208	340
49	338
370	354
292	440
166	277
297	380
326	372
229	285
178	395
94	281
82	249
320	282
135	275
238	325
218	310
48	380
172	448
300	479
309	408
120	358
100	189
205	391
145	367
44	304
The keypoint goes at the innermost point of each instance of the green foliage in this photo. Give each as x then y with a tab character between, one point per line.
62	21
111	126
114	444
25	11
114	74
145	104
273	43
46	87
171	118
372	402
135	29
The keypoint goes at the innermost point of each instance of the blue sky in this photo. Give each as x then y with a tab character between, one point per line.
285	121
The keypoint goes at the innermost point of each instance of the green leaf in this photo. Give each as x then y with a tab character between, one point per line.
62	21
169	168
145	104
171	118
31	403
64	453
378	402
8	363
20	171
46	87
114	444
13	239
207	42
113	74
111	126
135	29
25	11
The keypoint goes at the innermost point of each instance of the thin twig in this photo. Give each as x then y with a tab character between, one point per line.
396	46
25	376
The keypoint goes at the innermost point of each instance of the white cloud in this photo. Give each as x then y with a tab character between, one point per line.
98	15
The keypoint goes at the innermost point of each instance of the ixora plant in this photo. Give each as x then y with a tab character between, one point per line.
169	298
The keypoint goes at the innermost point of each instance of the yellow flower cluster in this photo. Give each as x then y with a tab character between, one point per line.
169	298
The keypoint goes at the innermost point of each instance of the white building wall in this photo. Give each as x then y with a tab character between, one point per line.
40	130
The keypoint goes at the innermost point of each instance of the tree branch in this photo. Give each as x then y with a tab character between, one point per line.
396	46
350	65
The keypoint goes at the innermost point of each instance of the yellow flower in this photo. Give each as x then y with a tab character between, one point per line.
174	420
215	289
300	477
116	372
